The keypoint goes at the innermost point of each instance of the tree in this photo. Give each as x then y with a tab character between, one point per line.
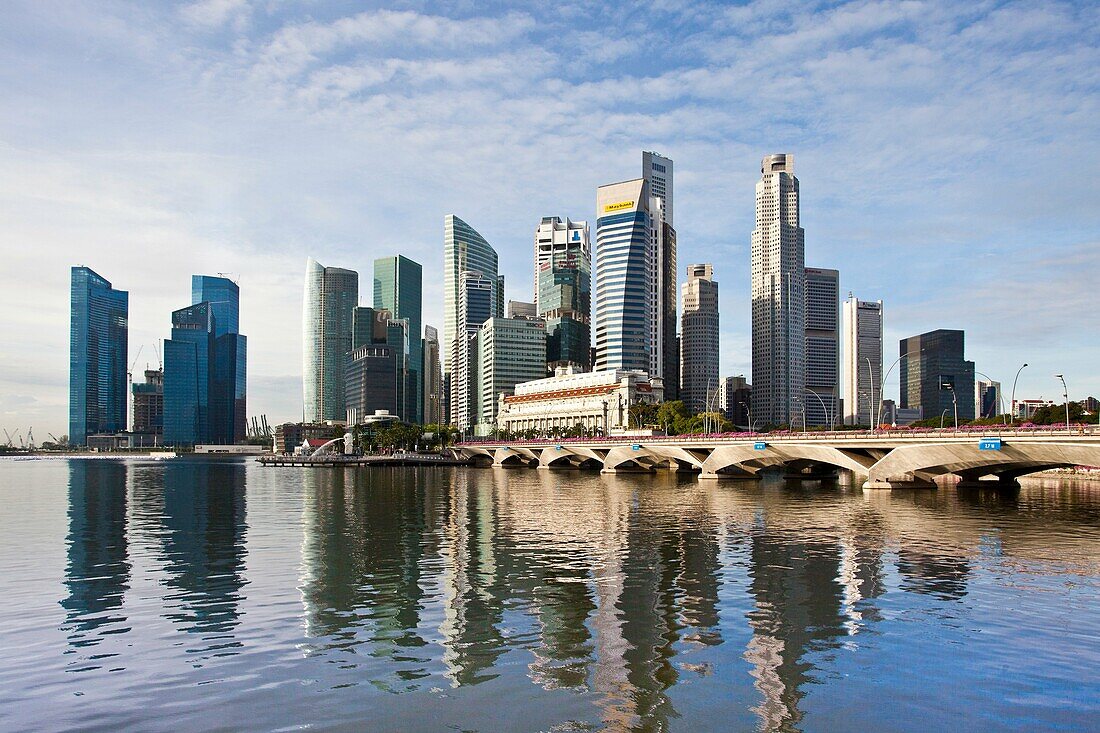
673	417
1056	414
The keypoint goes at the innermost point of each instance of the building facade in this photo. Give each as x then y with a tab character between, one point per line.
433	378
510	351
464	250
331	294
370	382
563	289
148	418
735	397
398	288
778	296
657	171
699	382
626	277
476	304
822	399
863	326
599	402
228	388
933	366
987	399
188	371
98	342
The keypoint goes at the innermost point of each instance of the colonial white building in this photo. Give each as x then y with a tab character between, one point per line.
597	401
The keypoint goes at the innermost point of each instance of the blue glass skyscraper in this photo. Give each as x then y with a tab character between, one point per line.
98	330
205	367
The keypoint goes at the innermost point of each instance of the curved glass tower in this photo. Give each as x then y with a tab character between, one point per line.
331	294
464	250
626	277
97	356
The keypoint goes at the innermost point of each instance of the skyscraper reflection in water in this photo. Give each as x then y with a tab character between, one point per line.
203	551
97	574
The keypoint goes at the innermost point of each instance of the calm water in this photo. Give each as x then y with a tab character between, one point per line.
227	596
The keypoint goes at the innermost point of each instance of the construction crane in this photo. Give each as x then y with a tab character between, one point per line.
30	439
160	364
10	443
130	389
54	439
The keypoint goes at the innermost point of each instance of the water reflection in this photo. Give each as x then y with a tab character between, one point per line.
97	574
203	550
596	602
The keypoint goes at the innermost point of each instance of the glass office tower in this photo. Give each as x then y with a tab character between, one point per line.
228	401
398	288
331	295
98	331
205	365
188	365
563	287
463	250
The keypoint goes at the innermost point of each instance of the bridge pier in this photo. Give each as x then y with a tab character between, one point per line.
905	482
999	483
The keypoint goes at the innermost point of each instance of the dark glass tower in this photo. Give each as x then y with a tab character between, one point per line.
97	356
932	365
398	288
205	367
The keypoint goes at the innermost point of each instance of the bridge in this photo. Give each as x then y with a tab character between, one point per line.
888	460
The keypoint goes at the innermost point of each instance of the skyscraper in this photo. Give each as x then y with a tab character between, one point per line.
699	340
398	287
563	287
822	346
778	296
372	368
228	400
98	331
433	378
331	294
188	376
205	364
626	276
657	172
862	360
463	250
933	365
476	304
510	351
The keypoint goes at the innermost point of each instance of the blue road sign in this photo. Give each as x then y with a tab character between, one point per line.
636	446
759	446
989	444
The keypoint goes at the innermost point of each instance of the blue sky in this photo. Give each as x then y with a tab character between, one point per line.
948	156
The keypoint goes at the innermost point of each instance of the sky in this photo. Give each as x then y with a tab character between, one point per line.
948	155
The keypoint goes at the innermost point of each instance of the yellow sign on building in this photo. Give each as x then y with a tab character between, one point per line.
619	206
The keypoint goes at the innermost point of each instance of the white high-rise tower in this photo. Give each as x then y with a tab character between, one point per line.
862	360
778	296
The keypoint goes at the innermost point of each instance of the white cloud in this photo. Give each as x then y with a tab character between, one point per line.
215	13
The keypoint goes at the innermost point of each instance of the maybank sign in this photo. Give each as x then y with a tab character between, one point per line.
621	206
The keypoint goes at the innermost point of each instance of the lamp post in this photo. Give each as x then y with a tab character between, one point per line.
882	387
1065	396
748	411
1013	405
954	403
871	401
824	409
1000	399
942	416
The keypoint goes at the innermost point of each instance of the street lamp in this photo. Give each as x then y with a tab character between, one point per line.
1013	405
824	409
1000	399
1065	396
748	411
954	402
882	387
871	401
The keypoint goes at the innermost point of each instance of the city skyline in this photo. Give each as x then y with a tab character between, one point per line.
987	231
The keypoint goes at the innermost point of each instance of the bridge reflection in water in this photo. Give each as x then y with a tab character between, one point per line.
625	602
886	460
